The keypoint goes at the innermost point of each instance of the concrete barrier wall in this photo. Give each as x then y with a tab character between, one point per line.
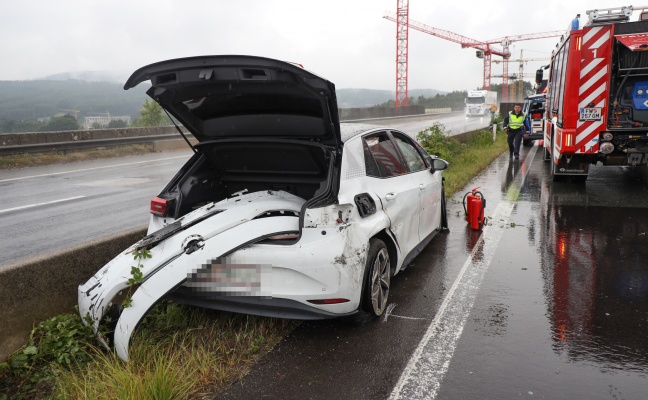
17	139
42	287
462	137
378	112
438	110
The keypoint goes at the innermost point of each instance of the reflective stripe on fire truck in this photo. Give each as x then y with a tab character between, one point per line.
593	86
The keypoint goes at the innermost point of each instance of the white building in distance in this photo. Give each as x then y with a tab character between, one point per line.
104	120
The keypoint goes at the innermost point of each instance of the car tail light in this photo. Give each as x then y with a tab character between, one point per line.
536	116
159	207
329	301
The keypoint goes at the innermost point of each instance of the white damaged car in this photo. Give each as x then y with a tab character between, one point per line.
281	211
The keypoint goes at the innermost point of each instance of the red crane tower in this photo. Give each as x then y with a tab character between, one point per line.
402	16
483	47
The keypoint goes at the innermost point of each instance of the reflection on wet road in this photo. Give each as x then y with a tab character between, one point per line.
595	273
563	312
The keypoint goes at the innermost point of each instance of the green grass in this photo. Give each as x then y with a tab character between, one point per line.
179	351
15	161
466	159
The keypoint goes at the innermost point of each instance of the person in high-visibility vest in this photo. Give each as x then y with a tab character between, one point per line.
514	127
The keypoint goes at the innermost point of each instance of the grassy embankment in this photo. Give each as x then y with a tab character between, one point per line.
178	351
15	161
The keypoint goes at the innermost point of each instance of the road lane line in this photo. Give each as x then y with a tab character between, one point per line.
90	169
423	374
40	204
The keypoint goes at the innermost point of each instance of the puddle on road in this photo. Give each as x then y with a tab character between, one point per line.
596	284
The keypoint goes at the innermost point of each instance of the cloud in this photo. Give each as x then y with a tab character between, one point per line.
347	42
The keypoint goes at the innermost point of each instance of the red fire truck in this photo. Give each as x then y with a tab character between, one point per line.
597	94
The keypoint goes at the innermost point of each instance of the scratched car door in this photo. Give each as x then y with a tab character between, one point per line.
394	185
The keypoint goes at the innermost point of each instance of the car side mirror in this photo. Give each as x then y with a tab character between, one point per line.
438	165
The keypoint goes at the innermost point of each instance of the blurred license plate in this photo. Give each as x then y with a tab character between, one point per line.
590	114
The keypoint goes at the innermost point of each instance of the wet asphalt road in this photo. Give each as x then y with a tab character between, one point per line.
550	301
47	209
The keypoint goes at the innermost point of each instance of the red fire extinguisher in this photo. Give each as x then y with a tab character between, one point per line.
474	209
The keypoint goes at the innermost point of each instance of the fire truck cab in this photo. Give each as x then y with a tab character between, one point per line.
597	95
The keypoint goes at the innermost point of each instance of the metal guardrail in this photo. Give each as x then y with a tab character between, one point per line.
85	144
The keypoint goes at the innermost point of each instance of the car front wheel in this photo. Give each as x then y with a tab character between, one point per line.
377	280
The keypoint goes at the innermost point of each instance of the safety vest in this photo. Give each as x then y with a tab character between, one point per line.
515	121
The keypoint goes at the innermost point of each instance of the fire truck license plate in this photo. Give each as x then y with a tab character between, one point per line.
590	114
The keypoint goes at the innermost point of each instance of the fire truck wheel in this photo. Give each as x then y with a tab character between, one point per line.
552	174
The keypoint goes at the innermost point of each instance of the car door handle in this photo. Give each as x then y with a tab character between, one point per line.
390	196
421	187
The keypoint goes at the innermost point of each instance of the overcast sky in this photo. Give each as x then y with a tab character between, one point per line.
346	41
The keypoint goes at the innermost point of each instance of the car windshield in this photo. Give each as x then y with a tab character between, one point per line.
475	100
533	105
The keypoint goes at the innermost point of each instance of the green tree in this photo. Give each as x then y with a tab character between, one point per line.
64	123
117	123
455	100
151	114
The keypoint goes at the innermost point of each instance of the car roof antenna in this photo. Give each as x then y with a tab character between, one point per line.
180	130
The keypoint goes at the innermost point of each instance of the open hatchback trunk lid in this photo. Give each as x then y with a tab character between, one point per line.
219	97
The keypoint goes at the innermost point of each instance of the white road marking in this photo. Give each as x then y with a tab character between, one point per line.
90	169
40	204
423	374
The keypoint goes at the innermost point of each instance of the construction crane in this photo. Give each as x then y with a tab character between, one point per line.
402	16
485	48
517	91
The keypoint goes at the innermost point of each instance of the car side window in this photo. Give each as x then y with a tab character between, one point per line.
381	157
412	157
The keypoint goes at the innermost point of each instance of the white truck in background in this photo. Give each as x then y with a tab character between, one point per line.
481	102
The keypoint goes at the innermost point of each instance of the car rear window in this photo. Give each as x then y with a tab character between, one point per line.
381	157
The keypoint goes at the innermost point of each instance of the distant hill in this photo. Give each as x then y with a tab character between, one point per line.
350	98
90	76
98	92
22	100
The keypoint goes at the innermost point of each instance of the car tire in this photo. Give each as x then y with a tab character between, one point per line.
552	172
444	212
377	278
554	176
